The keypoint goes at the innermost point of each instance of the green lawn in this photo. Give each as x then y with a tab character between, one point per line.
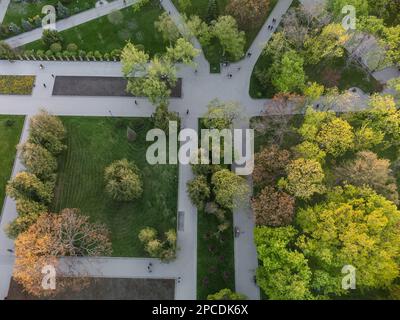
19	85
114	30
215	258
18	10
10	131
94	143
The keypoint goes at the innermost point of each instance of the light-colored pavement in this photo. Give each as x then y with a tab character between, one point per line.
3	9
8	215
70	22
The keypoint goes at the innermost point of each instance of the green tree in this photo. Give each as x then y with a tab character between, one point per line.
393	84
232	40
162	117
304	178
27	186
336	137
391	41
230	190
313	91
226	294
38	160
284	273
123	182
182	52
328	44
288	74
51	36
199	191
199	29
221	115
354	226
48	131
310	150
167	27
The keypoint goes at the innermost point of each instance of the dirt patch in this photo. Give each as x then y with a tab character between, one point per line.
109	289
99	86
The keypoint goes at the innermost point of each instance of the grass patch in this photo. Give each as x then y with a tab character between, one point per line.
215	258
10	132
94	143
20	85
114	30
18	10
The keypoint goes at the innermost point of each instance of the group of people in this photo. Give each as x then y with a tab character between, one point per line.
271	27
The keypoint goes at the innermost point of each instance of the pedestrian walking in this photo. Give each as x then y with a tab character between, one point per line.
44	85
52	75
179	279
239	68
187	111
195	71
41	66
249	54
136	103
10	250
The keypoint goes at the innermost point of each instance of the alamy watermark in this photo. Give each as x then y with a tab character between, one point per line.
49	279
349	280
349	21
236	145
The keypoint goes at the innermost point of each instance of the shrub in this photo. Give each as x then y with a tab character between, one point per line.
123	182
56	47
51	36
72	47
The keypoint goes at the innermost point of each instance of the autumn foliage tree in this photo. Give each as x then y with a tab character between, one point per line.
273	208
248	13
52	236
368	170
270	164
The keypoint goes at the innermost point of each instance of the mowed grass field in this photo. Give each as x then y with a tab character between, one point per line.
93	144
114	30
215	257
10	132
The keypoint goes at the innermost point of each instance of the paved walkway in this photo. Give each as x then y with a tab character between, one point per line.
8	215
70	22
3	9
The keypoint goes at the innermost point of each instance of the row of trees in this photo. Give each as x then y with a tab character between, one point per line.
33	189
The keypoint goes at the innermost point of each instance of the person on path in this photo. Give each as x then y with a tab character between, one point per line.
187	111
44	85
41	66
136	103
